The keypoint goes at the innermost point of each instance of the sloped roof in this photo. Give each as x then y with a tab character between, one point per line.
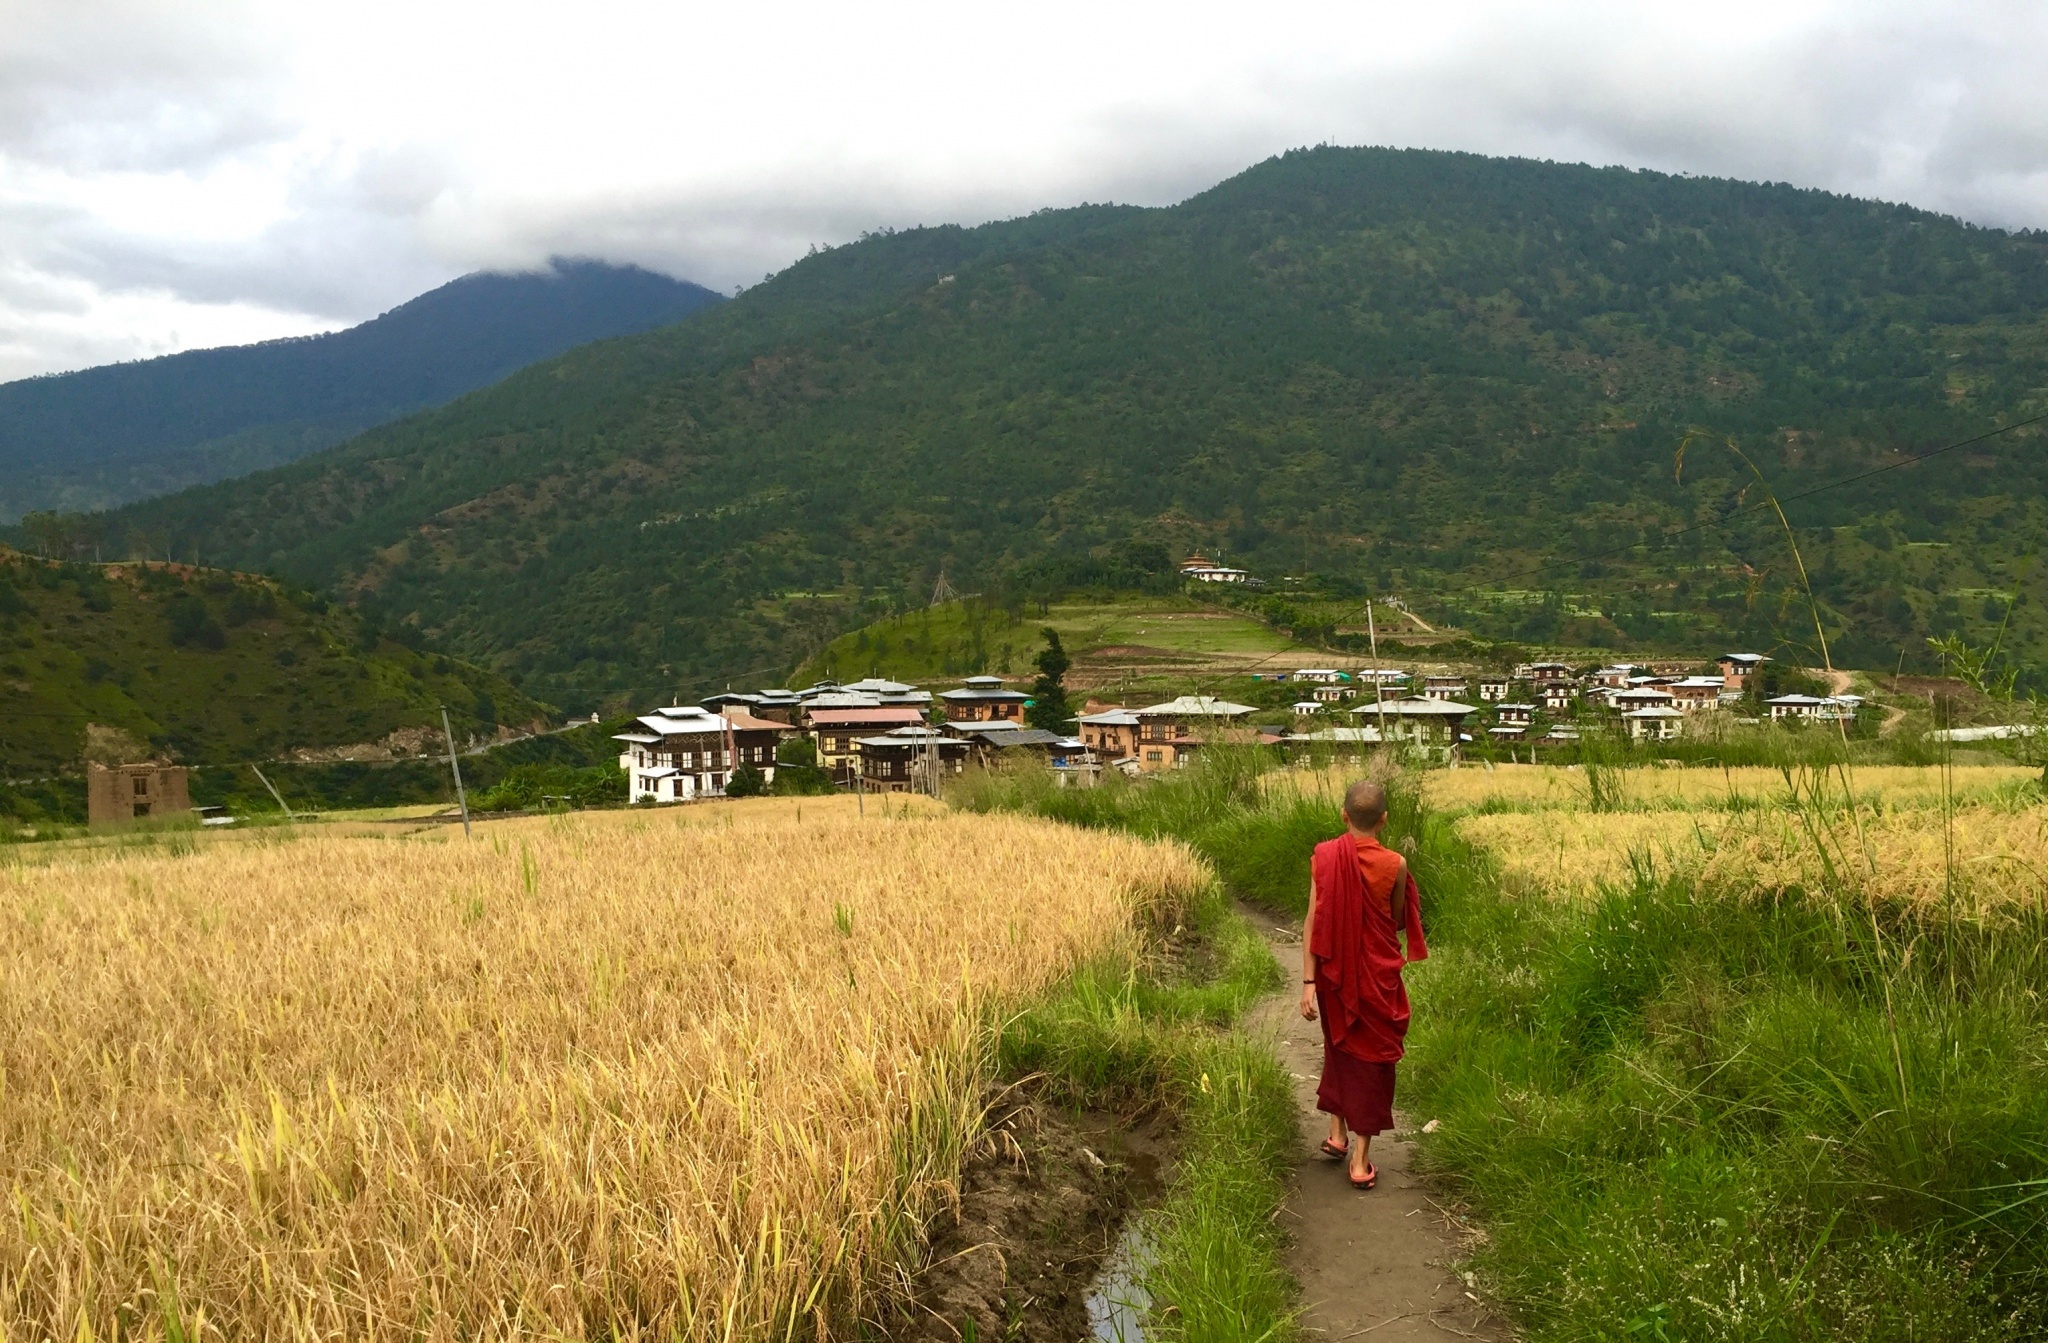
1199	706
878	685
866	716
743	721
841	699
1417	707
1110	718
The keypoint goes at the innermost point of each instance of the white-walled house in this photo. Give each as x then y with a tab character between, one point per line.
680	753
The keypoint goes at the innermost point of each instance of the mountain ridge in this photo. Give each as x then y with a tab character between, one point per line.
1408	370
119	431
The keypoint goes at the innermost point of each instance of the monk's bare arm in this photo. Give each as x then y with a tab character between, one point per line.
1308	958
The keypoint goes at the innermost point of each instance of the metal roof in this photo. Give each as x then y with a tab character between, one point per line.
742	721
682	722
980	695
1110	718
865	715
878	685
1339	734
1199	706
840	699
1413	707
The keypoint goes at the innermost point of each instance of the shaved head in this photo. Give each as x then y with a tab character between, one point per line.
1365	804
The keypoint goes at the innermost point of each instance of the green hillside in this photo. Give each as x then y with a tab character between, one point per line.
208	667
1112	638
1440	376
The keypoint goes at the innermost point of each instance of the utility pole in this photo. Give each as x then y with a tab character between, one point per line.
455	767
1378	693
274	793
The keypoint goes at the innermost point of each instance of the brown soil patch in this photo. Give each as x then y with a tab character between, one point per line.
1041	1201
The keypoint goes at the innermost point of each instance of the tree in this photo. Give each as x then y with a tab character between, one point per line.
746	781
1049	692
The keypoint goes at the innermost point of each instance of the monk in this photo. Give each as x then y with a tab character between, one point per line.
1362	899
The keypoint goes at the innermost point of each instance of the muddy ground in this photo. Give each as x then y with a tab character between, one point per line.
1041	1201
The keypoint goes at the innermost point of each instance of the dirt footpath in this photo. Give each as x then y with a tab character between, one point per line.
1372	1265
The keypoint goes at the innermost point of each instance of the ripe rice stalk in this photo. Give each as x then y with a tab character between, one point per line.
1986	858
697	1073
1880	789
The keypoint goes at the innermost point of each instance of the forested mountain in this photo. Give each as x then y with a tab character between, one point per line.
104	436
1450	377
132	662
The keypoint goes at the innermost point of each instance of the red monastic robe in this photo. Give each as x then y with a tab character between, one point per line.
1362	1003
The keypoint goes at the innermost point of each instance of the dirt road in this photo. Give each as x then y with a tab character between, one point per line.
1373	1265
1839	683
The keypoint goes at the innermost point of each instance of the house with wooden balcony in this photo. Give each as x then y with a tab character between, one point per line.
1170	734
984	699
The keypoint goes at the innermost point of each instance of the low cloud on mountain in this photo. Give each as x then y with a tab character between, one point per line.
174	176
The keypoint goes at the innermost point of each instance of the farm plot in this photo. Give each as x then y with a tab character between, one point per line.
622	1075
1916	834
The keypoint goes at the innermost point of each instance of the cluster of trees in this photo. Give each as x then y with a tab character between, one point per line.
208	667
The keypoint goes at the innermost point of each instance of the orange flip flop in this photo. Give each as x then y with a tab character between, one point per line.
1372	1177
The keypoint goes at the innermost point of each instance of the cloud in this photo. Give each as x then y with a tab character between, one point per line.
174	174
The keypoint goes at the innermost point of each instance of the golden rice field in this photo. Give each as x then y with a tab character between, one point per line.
694	1073
1989	850
1691	787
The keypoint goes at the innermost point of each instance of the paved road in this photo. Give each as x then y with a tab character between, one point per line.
1374	1266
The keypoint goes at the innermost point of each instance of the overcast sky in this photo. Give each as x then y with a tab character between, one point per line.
183	173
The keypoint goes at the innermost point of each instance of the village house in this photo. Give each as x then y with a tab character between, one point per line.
1543	673
1111	734
1694	693
132	792
1494	687
1515	714
1808	708
1656	723
1508	731
779	706
982	699
1560	732
1320	675
1170	733
1432	727
1737	668
838	732
1389	678
1333	694
1614	678
756	740
1443	687
679	753
887	692
994	745
1306	708
1557	696
909	759
1641	697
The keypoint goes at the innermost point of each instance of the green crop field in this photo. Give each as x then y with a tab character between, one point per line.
1107	639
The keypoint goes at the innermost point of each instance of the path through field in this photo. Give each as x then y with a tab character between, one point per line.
1375	1265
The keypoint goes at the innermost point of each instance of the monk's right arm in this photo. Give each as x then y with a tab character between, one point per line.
1308	958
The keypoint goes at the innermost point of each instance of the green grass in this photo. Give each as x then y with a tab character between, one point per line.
1693	1117
1126	1035
971	637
